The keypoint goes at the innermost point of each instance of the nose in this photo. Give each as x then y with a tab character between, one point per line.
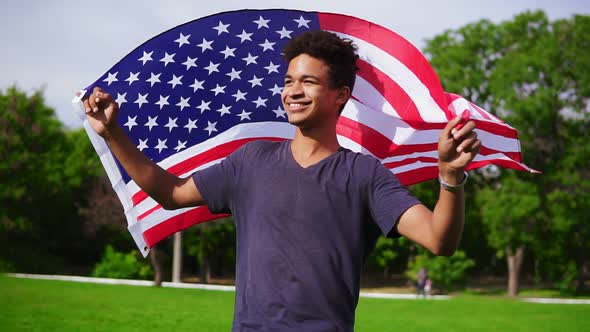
295	89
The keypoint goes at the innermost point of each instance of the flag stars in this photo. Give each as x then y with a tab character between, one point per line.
146	57
190	62
218	89
250	59
239	95
183	103
142	144
221	28
256	81
132	78
228	52
111	77
235	74
223	110
141	99
244	36
204	106
152	122
190	125
261	22
244	115
180	146
168	58
176	80
205	45
197	85
285	33
212	67
272	68
276	90
182	40
301	22
211	127
280	113
154	79
260	102
171	124
131	122
121	99
163	101
161	145
267	45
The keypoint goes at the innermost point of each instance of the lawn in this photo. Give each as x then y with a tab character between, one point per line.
42	305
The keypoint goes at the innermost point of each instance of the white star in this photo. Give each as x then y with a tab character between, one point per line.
151	122
197	85
111	78
267	45
163	101
146	57
205	45
161	145
130	122
190	62
171	124
121	98
141	99
175	81
255	81
223	110
221	28
276	90
279	112
211	127
244	115
212	67
262	22
180	146
272	68
204	106
234	74
301	22
260	102
250	59
183	103
182	40
240	95
228	52
154	79
218	89
167	58
285	33
190	125
132	78
244	36
142	144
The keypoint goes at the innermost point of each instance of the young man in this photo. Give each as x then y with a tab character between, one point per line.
307	211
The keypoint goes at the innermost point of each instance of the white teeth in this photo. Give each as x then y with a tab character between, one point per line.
295	105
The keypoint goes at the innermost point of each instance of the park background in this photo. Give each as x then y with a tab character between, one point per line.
525	234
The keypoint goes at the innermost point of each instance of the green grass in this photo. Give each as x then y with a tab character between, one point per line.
42	305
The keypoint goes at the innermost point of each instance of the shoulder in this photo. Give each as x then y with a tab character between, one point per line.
361	163
258	150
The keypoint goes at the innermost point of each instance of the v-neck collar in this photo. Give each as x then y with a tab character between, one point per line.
293	161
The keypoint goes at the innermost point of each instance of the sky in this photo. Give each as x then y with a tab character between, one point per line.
62	46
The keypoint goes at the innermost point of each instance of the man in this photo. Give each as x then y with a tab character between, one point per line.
307	211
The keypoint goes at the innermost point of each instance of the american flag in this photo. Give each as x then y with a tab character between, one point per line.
193	94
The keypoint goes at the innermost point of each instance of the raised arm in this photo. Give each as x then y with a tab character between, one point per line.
167	189
440	230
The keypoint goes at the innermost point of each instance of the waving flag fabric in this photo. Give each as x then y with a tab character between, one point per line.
193	94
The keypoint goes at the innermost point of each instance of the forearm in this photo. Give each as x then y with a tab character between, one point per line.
449	216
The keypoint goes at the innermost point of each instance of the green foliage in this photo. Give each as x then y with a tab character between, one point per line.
214	241
122	266
6	267
383	254
446	273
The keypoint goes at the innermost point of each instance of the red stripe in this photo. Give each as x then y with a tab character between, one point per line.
372	140
177	223
391	43
418	175
148	212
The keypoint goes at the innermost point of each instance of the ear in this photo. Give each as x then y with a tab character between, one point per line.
343	94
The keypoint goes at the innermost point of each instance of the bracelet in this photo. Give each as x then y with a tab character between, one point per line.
450	187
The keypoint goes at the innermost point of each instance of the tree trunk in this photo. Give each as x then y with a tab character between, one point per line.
177	259
514	260
156	265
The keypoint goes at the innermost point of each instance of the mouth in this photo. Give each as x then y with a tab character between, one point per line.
297	107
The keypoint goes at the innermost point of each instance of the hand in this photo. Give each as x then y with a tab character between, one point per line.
101	111
457	146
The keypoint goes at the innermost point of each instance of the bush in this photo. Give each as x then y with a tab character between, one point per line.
446	273
119	265
6	267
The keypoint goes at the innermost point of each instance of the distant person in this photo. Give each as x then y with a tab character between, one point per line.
421	282
427	287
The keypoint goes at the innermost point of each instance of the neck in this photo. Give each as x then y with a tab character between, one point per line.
312	145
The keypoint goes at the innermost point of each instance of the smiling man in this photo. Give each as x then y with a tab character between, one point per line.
308	212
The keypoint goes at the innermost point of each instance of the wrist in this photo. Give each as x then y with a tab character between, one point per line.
456	185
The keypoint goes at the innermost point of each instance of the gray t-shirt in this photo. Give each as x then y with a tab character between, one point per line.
302	233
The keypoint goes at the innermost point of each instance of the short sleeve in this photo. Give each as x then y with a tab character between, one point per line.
388	199
217	183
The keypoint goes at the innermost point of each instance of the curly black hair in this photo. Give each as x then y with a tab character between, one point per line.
339	54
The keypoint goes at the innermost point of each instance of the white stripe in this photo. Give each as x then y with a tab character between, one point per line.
372	98
403	76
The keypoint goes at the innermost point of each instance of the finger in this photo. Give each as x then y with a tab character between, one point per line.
465	131
103	98
464	117
92	102
446	133
467	143
87	107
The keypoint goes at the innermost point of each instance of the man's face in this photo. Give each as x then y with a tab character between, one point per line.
307	95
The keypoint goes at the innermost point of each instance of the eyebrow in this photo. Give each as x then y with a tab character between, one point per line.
303	76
